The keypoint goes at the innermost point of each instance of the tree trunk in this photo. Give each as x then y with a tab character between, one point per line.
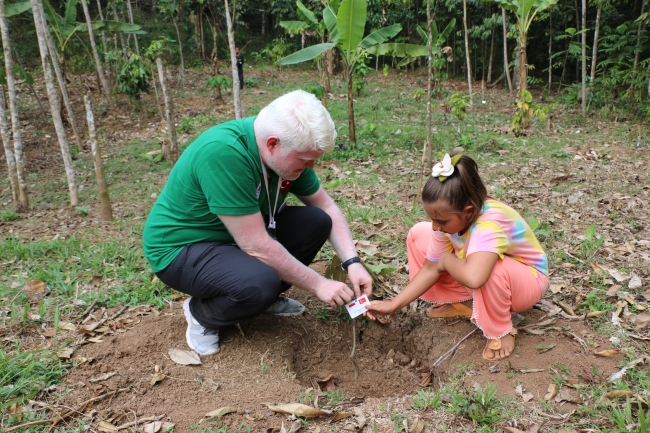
21	196
584	57
41	28
233	62
467	54
63	88
523	64
180	51
170	152
638	45
202	34
106	212
6	143
429	75
116	18
594	51
351	124
135	37
101	17
98	63
489	73
506	68
214	57
550	50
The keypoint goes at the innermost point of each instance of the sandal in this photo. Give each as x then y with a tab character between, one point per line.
496	345
460	310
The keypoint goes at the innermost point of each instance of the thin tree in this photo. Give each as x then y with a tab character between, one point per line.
584	57
22	198
506	66
429	72
233	60
6	143
56	65
106	212
594	51
98	63
135	37
489	74
469	66
170	9
550	49
116	18
170	151
638	43
39	22
101	17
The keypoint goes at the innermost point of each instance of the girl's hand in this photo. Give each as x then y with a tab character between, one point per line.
385	308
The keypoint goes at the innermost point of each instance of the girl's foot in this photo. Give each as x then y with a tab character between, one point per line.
450	310
500	348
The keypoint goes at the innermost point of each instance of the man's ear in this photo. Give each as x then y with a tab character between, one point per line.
272	143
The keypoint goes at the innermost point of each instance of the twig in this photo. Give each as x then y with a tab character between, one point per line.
56	420
354	346
448	353
141	420
87	310
241	331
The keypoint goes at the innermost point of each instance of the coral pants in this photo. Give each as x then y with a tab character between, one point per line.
512	286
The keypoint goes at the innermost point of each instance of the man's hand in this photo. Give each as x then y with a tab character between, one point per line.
333	292
360	279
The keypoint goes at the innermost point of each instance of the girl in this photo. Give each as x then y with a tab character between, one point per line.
478	258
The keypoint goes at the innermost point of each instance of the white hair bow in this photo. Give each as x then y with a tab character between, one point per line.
443	168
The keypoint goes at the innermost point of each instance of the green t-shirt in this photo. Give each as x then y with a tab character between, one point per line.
219	173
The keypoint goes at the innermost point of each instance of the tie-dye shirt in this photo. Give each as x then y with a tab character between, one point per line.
498	229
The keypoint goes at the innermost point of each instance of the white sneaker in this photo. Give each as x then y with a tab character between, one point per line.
202	340
285	307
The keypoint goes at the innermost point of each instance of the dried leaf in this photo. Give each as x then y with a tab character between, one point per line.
512	430
635	282
526	396
221	412
361	418
95	280
157	377
417	426
102	377
612	290
36	290
105	427
366	247
551	392
327	383
641	321
341	415
615	394
299	410
295	426
153	427
567	395
556	288
184	357
66	354
607	352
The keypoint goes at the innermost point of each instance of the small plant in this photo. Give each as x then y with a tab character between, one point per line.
480	406
427	399
83	210
335	397
398	420
322	313
7	215
219	84
590	244
525	109
625	422
385	71
133	79
459	103
186	126
418	94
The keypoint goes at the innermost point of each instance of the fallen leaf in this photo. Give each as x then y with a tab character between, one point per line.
568	396
526	396
641	321
512	430
618	276
327	383
295	426
184	357
36	290
157	377
105	427
221	411
102	377
614	394
152	427
551	392
607	352
556	288
299	410
66	354
635	282
167	426
341	415
417	426
367	247
612	290
95	280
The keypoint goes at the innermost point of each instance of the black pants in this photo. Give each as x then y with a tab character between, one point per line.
240	72
227	285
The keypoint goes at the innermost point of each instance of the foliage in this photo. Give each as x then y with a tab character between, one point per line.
219	83
480	406
624	419
315	89
276	50
426	399
133	79
7	215
525	109
459	103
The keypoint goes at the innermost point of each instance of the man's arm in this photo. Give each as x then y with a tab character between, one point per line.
250	235
341	240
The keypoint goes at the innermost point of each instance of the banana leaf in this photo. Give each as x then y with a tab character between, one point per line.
380	36
306	54
398	50
17	8
351	23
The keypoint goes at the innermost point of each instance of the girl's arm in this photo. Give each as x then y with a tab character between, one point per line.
426	277
472	272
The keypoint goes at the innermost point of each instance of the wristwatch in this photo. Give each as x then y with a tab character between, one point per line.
348	262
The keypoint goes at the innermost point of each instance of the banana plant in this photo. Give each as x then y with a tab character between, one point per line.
346	25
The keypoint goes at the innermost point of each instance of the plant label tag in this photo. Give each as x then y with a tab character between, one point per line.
358	306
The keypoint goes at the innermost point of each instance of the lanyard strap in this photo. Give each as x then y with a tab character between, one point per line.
277	194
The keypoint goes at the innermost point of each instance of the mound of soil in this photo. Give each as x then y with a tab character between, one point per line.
274	360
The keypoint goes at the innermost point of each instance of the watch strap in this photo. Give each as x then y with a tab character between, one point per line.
348	262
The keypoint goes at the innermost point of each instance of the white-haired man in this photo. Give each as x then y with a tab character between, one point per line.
220	231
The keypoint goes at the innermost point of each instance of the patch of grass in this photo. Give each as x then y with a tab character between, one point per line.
481	406
7	215
334	397
427	399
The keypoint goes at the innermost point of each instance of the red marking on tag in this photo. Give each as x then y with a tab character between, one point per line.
351	305
362	300
286	185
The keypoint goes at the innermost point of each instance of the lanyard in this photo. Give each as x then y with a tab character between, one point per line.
277	194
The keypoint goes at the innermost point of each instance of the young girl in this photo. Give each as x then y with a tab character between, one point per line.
478	258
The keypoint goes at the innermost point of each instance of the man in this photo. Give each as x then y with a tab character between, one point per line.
240	68
220	231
